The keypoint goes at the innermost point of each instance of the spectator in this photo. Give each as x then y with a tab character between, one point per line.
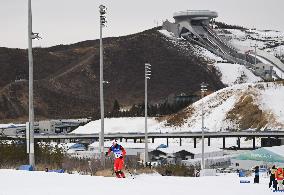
279	177
256	174
273	182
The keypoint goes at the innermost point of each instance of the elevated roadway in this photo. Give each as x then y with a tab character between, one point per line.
136	136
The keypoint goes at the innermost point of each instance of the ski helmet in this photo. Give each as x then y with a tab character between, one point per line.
114	142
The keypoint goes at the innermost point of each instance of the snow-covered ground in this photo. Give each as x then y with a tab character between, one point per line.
231	73
268	43
235	74
168	34
118	125
33	183
267	96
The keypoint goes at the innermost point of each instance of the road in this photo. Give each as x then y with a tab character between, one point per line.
277	134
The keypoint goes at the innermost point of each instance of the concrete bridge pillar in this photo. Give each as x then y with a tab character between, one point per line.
209	143
239	142
168	142
153	140
120	139
134	140
194	142
224	142
253	142
140	140
180	144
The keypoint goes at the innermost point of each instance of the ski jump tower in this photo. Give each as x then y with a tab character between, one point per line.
186	20
194	25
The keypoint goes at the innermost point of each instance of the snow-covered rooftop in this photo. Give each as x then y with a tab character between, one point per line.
11	125
175	149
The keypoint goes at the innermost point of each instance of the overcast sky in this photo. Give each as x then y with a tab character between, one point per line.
70	21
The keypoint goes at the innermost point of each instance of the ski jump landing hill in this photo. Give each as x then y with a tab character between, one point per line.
194	26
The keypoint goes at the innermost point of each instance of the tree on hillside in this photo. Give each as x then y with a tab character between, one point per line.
116	109
116	106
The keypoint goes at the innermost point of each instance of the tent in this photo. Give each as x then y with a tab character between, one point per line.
262	154
266	156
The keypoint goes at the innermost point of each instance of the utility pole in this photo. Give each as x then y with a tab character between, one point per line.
147	76
30	130
255	54
203	90
101	140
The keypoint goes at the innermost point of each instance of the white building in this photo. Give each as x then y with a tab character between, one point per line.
192	153
47	126
265	70
211	162
179	154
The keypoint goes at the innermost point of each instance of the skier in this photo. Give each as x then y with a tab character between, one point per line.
119	153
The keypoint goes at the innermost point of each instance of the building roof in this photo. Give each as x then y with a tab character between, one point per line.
206	14
11	125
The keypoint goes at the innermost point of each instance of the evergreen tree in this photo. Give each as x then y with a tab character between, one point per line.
116	107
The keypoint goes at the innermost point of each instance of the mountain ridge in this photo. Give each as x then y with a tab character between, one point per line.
66	76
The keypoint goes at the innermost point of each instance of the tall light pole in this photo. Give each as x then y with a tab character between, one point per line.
255	54
30	126
203	90
280	52
147	76
102	10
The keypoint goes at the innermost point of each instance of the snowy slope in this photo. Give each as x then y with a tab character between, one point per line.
269	41
266	100
230	73
20	182
115	125
235	74
216	107
269	44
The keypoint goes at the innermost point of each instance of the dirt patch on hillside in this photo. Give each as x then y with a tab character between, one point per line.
179	118
247	114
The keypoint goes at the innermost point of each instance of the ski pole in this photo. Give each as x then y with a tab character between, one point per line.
129	172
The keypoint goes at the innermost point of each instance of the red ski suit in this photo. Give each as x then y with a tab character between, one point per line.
119	153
